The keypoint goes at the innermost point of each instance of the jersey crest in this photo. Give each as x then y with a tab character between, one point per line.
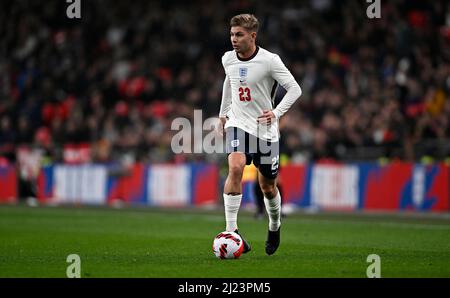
243	75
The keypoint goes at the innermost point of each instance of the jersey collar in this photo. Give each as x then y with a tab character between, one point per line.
249	58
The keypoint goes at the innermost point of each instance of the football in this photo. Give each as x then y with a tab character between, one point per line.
228	245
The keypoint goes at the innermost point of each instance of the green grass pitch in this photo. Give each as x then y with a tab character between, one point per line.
131	242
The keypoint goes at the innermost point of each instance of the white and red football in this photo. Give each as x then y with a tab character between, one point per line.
228	245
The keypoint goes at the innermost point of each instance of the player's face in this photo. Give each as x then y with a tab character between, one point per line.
241	39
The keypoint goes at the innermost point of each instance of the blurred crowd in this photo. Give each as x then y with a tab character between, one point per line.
115	79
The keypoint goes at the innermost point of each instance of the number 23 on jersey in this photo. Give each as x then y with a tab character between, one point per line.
244	94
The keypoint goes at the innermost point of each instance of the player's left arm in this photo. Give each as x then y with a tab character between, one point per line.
283	76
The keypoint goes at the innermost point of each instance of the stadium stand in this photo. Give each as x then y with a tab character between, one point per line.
113	81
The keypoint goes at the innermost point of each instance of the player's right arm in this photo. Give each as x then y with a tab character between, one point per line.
225	106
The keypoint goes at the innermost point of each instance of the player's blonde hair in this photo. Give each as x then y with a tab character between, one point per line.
247	21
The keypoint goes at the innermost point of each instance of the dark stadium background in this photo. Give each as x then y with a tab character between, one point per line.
116	78
101	92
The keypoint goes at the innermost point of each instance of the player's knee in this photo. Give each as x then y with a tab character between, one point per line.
236	170
268	189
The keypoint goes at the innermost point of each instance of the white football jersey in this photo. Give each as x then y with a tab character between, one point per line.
250	87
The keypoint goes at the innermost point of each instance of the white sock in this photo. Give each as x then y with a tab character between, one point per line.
273	208
232	204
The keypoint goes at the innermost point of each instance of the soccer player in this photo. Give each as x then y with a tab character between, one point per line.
250	122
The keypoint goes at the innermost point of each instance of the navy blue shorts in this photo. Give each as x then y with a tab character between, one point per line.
264	154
